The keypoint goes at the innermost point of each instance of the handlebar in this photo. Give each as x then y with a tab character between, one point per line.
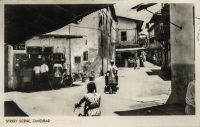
76	106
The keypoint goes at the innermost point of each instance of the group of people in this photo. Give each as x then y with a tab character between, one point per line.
135	62
45	78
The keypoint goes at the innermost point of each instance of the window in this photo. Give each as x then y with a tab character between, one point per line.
77	59
85	56
123	36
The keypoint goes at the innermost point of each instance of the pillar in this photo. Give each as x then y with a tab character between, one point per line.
9	68
182	50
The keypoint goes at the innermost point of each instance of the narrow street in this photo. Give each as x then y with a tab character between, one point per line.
141	88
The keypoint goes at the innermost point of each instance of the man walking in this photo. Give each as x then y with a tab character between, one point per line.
44	69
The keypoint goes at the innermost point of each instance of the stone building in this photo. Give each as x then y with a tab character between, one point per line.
128	38
171	34
159	35
154	47
88	42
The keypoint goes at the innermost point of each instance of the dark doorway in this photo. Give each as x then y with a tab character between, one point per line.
126	55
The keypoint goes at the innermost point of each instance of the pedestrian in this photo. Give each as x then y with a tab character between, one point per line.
112	77
57	71
190	99
135	63
44	69
112	70
92	101
126	63
36	76
144	55
65	67
138	63
141	61
129	61
154	59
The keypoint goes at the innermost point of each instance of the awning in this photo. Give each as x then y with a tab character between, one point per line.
60	36
23	22
129	49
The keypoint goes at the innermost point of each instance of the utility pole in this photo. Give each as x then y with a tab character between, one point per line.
70	69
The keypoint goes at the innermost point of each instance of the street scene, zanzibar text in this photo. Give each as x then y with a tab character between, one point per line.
27	121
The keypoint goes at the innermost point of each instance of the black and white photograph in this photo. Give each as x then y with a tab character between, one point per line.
95	60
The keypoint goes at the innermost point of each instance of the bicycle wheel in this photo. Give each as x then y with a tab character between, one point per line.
80	114
68	81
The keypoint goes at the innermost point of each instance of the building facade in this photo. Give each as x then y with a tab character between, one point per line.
159	35
128	38
172	32
88	46
154	47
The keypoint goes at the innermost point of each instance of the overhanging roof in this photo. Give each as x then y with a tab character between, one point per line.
60	36
155	18
159	17
22	22
129	49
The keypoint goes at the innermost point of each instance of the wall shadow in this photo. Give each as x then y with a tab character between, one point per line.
170	109
75	85
11	109
164	75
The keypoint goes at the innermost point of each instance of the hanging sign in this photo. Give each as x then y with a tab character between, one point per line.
20	46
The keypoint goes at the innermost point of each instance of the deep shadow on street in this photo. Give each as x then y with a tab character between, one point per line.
168	109
11	109
166	76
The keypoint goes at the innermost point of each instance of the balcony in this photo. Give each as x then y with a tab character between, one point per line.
162	32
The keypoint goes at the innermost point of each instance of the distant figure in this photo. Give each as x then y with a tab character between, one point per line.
57	71
126	63
141	61
138	63
44	69
144	55
131	62
190	99
154	59
36	76
65	67
135	63
112	70
92	101
129	59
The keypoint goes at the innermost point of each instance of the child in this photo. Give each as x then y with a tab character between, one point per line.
92	101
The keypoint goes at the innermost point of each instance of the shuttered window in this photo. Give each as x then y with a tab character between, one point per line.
123	36
85	56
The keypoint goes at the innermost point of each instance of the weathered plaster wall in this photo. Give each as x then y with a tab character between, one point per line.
130	27
182	50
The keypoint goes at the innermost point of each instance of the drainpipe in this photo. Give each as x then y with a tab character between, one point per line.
70	69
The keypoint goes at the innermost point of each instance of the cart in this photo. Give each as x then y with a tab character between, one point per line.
110	86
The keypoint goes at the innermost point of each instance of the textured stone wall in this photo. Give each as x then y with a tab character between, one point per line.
94	37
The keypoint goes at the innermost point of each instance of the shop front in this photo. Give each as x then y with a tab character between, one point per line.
26	61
